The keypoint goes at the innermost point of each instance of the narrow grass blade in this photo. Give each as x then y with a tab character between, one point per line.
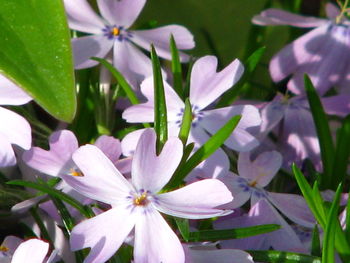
121	80
342	152
347	221
186	122
281	256
53	192
176	67
315	243
323	133
229	96
160	110
328	253
205	151
184	227
214	235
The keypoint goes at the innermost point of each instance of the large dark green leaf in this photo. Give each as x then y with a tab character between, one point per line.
35	53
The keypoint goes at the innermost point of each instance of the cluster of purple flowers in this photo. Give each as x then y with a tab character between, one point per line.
124	182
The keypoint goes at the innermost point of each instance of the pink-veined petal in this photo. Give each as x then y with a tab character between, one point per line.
274	16
15	128
294	207
122	12
82	17
11	94
160	38
207	84
262	169
104	233
90	46
155	241
32	250
332	10
100	180
55	161
196	200
149	171
110	146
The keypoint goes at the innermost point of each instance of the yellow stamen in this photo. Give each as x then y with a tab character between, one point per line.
75	173
4	249
255	181
141	200
115	31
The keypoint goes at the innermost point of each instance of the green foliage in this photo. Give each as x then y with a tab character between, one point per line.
35	53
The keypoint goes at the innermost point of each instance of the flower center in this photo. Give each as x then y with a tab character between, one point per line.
116	33
4	249
141	200
75	173
197	115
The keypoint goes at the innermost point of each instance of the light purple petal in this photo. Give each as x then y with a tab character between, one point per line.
7	155
274	16
131	62
196	200
100	180
271	115
82	17
337	105
207	84
15	128
332	10
122	12
130	141
11	94
124	165
110	146
32	250
160	38
236	186
240	140
149	171
294	207
155	241
297	53
55	161
325	68
145	112
201	255
11	242
262	169
90	46
104	233
25	205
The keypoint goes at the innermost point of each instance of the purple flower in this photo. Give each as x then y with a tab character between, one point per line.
322	53
207	85
112	33
32	250
257	174
14	129
137	204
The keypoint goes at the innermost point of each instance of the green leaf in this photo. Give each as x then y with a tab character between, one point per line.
43	230
184	227
249	66
160	112
329	234
315	244
36	54
176	67
342	152
121	80
186	122
347	221
214	235
281	256
53	192
207	149
323	133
